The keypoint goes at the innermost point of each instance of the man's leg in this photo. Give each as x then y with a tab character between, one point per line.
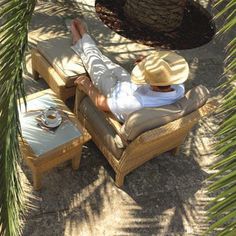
93	59
103	72
96	65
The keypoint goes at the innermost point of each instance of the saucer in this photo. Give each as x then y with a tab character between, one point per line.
52	125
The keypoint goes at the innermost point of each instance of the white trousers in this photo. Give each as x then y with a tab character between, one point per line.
103	72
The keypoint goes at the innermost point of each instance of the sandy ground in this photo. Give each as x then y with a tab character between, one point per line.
166	196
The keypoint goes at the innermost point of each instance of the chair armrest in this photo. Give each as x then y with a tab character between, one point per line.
116	125
79	96
109	117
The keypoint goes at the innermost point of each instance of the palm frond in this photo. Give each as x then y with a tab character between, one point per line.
223	206
14	18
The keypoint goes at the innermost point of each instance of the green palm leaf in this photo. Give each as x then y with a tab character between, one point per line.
14	18
223	206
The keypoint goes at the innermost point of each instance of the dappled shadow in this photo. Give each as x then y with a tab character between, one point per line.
48	21
162	197
170	192
206	4
71	197
197	27
165	196
118	48
166	199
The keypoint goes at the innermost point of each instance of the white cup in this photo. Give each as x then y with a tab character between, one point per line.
51	116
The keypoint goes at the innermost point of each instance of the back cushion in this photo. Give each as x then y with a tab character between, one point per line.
150	118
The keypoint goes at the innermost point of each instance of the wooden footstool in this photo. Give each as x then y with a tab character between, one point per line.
42	149
58	65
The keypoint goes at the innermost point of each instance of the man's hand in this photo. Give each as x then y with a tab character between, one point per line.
84	83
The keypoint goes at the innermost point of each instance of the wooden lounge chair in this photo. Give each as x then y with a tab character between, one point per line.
146	133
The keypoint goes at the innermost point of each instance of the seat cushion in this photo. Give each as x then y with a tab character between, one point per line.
99	126
149	118
59	54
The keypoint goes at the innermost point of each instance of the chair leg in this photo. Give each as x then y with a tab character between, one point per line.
37	176
175	151
35	74
76	160
119	179
62	97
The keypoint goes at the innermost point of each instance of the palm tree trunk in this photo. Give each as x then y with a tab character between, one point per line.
158	15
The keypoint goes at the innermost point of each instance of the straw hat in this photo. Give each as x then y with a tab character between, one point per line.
161	69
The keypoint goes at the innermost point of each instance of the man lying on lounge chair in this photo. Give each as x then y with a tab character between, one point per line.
156	80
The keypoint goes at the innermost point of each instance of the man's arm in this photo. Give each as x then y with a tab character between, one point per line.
88	88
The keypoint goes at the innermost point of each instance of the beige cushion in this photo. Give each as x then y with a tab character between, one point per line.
100	127
59	54
149	118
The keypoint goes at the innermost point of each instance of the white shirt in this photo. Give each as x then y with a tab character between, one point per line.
128	97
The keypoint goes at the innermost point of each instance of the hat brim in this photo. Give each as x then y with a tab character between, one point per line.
138	75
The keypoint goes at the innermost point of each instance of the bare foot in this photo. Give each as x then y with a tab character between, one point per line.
75	32
80	26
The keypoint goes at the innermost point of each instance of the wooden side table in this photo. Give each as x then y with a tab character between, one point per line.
43	150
